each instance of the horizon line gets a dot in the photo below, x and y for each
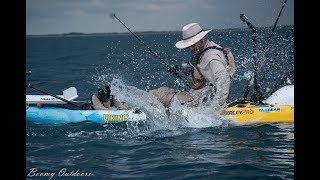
(74, 33)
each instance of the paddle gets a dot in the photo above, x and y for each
(62, 99)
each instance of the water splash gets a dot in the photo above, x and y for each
(159, 118)
(202, 116)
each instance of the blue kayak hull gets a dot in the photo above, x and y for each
(58, 115)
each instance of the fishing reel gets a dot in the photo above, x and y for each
(179, 82)
(174, 69)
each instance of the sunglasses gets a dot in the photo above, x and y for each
(193, 45)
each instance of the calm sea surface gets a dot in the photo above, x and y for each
(211, 149)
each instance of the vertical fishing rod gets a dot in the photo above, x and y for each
(276, 55)
(170, 69)
(257, 95)
(255, 56)
(264, 49)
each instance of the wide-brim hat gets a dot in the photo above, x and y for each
(191, 34)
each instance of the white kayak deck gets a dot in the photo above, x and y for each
(69, 94)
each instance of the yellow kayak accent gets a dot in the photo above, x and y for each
(247, 113)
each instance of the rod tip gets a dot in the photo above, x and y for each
(113, 15)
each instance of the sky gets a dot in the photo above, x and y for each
(93, 16)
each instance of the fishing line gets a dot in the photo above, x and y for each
(170, 69)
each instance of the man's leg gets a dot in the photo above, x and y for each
(165, 95)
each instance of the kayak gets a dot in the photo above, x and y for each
(278, 108)
(247, 113)
(240, 113)
(58, 115)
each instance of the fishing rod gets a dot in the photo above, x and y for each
(264, 49)
(276, 55)
(172, 70)
(253, 80)
(28, 85)
(257, 95)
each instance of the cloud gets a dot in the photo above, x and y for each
(145, 15)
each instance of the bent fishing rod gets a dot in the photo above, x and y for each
(170, 69)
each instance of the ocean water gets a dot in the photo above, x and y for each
(209, 149)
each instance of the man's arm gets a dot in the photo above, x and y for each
(220, 78)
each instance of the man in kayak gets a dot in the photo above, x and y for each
(208, 72)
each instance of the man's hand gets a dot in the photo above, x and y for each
(226, 50)
(184, 66)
